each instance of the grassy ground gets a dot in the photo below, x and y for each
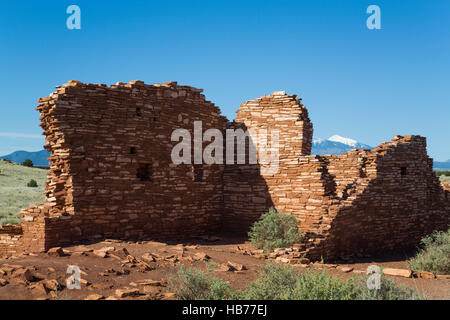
(444, 179)
(14, 193)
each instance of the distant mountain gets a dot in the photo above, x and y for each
(442, 165)
(39, 158)
(336, 145)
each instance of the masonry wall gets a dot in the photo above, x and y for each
(111, 172)
(249, 190)
(361, 201)
(112, 176)
(394, 203)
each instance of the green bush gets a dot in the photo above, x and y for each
(278, 282)
(388, 291)
(194, 284)
(32, 184)
(435, 254)
(27, 163)
(282, 282)
(275, 230)
(272, 284)
(442, 173)
(321, 286)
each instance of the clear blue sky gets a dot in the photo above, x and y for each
(364, 84)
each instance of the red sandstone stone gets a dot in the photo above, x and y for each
(398, 272)
(427, 275)
(111, 175)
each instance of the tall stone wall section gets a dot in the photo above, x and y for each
(248, 190)
(111, 172)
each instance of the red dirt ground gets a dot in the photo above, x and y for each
(103, 280)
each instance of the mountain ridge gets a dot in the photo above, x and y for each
(39, 158)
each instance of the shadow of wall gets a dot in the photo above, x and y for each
(401, 202)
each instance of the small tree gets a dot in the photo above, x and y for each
(28, 163)
(275, 230)
(32, 183)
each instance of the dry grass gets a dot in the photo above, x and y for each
(14, 193)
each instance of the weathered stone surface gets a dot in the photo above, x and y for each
(236, 266)
(398, 272)
(150, 282)
(201, 256)
(39, 288)
(51, 285)
(345, 269)
(94, 297)
(123, 293)
(427, 275)
(56, 252)
(25, 274)
(112, 176)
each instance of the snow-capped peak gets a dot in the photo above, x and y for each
(347, 141)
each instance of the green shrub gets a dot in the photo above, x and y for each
(278, 282)
(27, 163)
(195, 284)
(447, 173)
(321, 286)
(435, 254)
(282, 282)
(4, 221)
(275, 230)
(388, 291)
(32, 184)
(272, 284)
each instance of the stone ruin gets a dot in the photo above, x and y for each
(111, 176)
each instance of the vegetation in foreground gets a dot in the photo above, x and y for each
(279, 282)
(14, 193)
(275, 230)
(435, 255)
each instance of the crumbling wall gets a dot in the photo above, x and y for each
(111, 175)
(396, 201)
(360, 201)
(10, 237)
(111, 172)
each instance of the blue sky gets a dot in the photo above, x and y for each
(365, 84)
